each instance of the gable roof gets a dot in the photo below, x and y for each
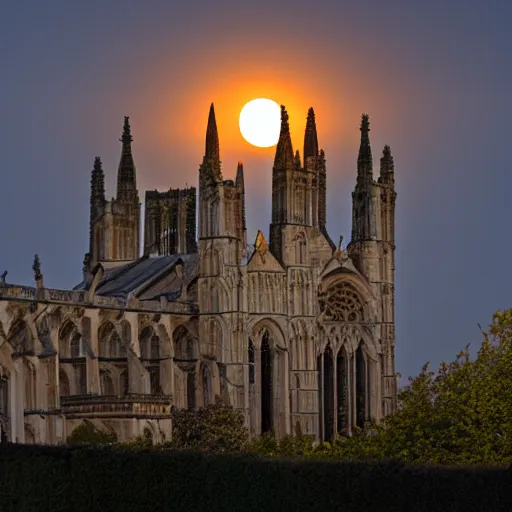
(137, 275)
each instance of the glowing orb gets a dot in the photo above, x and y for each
(260, 122)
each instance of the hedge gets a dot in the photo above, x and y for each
(39, 478)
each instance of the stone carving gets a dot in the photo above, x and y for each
(36, 267)
(341, 303)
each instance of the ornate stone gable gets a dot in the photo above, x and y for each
(262, 260)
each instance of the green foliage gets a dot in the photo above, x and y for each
(87, 433)
(462, 414)
(214, 428)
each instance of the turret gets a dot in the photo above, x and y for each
(365, 223)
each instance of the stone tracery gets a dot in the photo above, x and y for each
(341, 303)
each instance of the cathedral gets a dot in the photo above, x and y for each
(296, 332)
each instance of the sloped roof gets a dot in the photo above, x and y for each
(121, 281)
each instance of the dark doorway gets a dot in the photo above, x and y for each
(266, 385)
(328, 394)
(360, 387)
(342, 405)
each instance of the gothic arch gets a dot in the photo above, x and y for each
(151, 355)
(66, 331)
(271, 377)
(105, 331)
(273, 327)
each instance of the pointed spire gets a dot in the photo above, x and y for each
(284, 151)
(364, 159)
(97, 200)
(240, 175)
(310, 136)
(387, 167)
(126, 173)
(212, 151)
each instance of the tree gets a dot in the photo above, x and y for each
(462, 414)
(214, 428)
(87, 433)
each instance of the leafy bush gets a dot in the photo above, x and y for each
(214, 428)
(87, 433)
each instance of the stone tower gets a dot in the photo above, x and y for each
(115, 224)
(170, 222)
(222, 246)
(372, 247)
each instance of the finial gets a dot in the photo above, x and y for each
(340, 246)
(285, 127)
(365, 123)
(36, 267)
(127, 133)
(97, 164)
(3, 276)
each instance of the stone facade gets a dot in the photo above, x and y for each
(297, 333)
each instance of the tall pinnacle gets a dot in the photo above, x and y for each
(97, 182)
(126, 173)
(387, 167)
(284, 151)
(364, 159)
(240, 175)
(212, 152)
(310, 137)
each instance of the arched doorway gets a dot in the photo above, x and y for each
(150, 357)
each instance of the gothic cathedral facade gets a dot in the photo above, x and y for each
(297, 333)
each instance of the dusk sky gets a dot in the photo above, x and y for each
(435, 78)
